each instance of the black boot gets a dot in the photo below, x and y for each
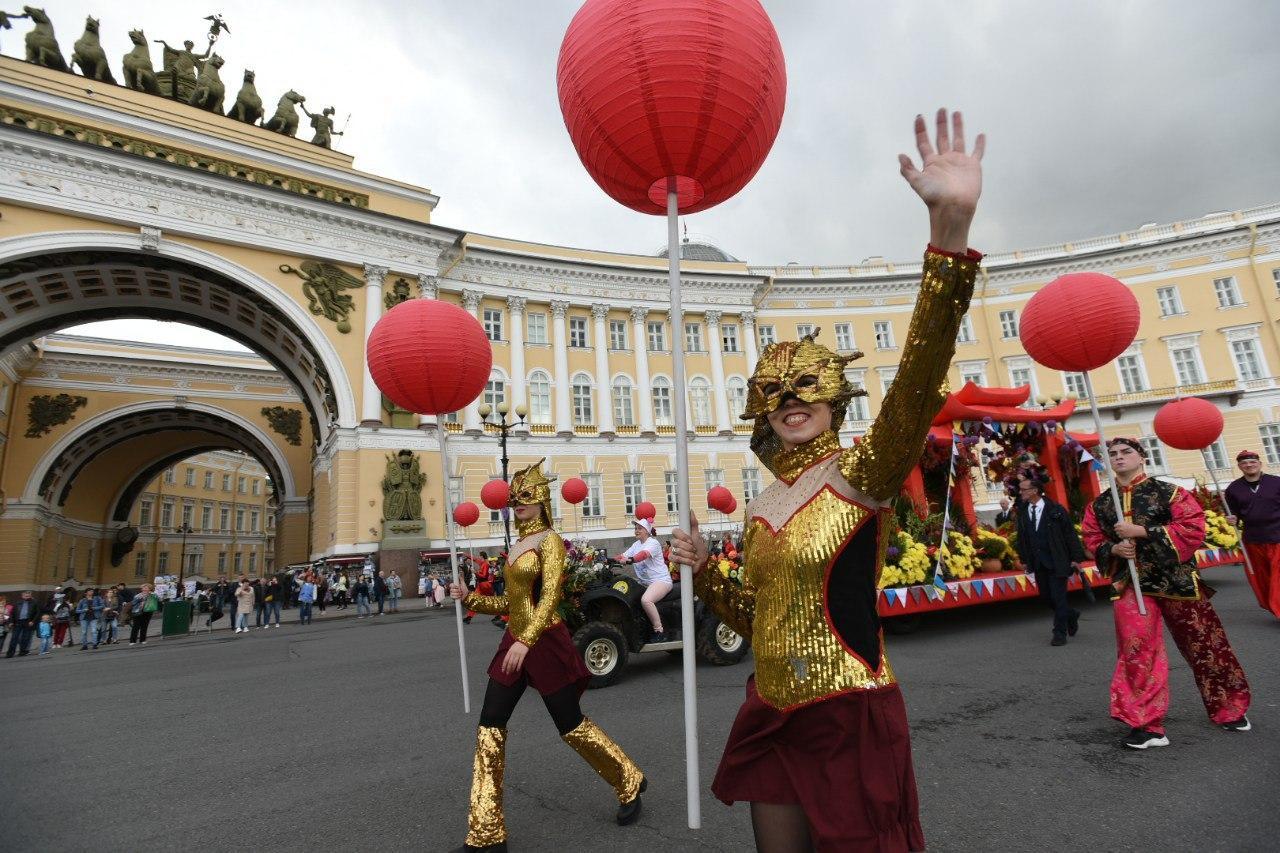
(629, 813)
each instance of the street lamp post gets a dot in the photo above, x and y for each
(503, 427)
(184, 529)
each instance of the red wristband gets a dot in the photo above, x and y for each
(968, 254)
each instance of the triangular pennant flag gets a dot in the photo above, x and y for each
(916, 594)
(975, 588)
(988, 583)
(1085, 456)
(953, 588)
(891, 595)
(1022, 581)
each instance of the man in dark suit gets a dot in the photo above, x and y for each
(1005, 514)
(1049, 547)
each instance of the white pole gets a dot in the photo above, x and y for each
(685, 512)
(453, 561)
(946, 506)
(1115, 492)
(1239, 536)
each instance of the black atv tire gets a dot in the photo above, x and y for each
(603, 650)
(719, 644)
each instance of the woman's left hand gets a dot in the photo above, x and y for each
(515, 658)
(949, 179)
(1129, 530)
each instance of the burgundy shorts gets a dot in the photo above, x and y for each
(552, 664)
(845, 760)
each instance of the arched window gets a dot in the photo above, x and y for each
(583, 415)
(737, 390)
(700, 401)
(539, 398)
(495, 390)
(622, 409)
(662, 415)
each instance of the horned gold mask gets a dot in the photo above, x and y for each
(531, 486)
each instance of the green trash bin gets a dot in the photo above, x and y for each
(176, 618)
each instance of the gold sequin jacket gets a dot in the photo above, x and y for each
(814, 545)
(535, 581)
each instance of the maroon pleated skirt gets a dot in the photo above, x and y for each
(845, 760)
(552, 664)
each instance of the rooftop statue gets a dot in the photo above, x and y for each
(286, 118)
(42, 45)
(178, 79)
(90, 56)
(139, 73)
(209, 90)
(323, 126)
(7, 19)
(248, 106)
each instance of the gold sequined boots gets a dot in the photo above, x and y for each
(613, 765)
(486, 828)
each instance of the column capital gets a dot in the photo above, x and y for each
(599, 311)
(374, 274)
(748, 318)
(639, 313)
(558, 308)
(713, 317)
(428, 286)
(471, 299)
(515, 304)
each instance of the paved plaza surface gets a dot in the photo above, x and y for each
(349, 735)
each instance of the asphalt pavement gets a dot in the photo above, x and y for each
(349, 735)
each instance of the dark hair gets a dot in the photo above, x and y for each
(1128, 442)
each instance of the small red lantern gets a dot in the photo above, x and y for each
(646, 510)
(429, 357)
(495, 493)
(1189, 424)
(719, 498)
(687, 89)
(466, 514)
(574, 490)
(1079, 322)
(732, 507)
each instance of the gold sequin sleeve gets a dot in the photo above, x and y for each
(554, 560)
(735, 605)
(878, 464)
(493, 605)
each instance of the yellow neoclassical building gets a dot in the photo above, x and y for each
(116, 203)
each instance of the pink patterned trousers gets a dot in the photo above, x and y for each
(1140, 685)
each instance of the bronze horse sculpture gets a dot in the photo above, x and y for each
(139, 73)
(286, 118)
(248, 105)
(90, 56)
(209, 90)
(42, 44)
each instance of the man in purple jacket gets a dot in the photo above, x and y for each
(1254, 500)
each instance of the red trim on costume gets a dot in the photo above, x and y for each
(968, 254)
(825, 488)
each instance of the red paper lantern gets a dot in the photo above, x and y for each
(466, 514)
(574, 490)
(495, 493)
(646, 510)
(719, 497)
(686, 89)
(732, 507)
(1079, 322)
(429, 357)
(1188, 424)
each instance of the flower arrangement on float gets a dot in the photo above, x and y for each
(906, 561)
(959, 556)
(1218, 532)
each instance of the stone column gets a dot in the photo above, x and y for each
(428, 288)
(719, 394)
(749, 339)
(471, 420)
(560, 352)
(371, 398)
(515, 318)
(640, 338)
(604, 391)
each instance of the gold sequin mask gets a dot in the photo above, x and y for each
(531, 486)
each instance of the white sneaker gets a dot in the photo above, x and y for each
(238, 630)
(131, 643)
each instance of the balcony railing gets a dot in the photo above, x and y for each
(1166, 393)
(593, 522)
(666, 429)
(453, 426)
(743, 428)
(542, 429)
(705, 429)
(585, 429)
(627, 429)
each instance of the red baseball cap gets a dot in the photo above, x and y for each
(1247, 454)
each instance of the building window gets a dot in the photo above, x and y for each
(1275, 277)
(857, 410)
(222, 561)
(887, 375)
(226, 482)
(884, 334)
(208, 479)
(632, 491)
(257, 487)
(1008, 324)
(622, 414)
(976, 375)
(537, 325)
(162, 563)
(188, 513)
(140, 564)
(1216, 453)
(577, 332)
(241, 483)
(239, 519)
(144, 514)
(1270, 435)
(1073, 384)
(166, 515)
(767, 335)
(193, 562)
(965, 334)
(670, 483)
(1131, 378)
(1248, 364)
(224, 519)
(657, 333)
(700, 402)
(736, 390)
(238, 561)
(692, 337)
(255, 521)
(1022, 374)
(190, 478)
(582, 411)
(492, 323)
(750, 483)
(593, 506)
(844, 337)
(617, 334)
(1227, 292)
(662, 401)
(1186, 365)
(206, 517)
(253, 562)
(539, 398)
(495, 391)
(712, 477)
(803, 329)
(1155, 453)
(1170, 301)
(729, 337)
(169, 478)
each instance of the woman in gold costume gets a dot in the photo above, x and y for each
(820, 747)
(536, 651)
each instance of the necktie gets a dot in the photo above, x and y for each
(1035, 517)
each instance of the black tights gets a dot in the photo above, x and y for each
(780, 828)
(500, 701)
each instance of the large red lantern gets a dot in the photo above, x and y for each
(429, 357)
(1079, 322)
(646, 510)
(1188, 424)
(731, 507)
(574, 490)
(466, 514)
(687, 89)
(494, 494)
(719, 498)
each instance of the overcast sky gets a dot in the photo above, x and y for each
(1100, 116)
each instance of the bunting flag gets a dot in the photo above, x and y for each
(989, 584)
(1021, 580)
(890, 594)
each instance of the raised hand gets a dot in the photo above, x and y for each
(949, 179)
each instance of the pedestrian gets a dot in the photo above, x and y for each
(110, 627)
(395, 588)
(23, 616)
(90, 612)
(380, 590)
(483, 584)
(61, 621)
(244, 605)
(272, 592)
(1254, 500)
(423, 583)
(1005, 515)
(322, 590)
(439, 592)
(259, 603)
(1049, 548)
(45, 632)
(340, 586)
(306, 598)
(360, 592)
(5, 618)
(144, 606)
(1160, 526)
